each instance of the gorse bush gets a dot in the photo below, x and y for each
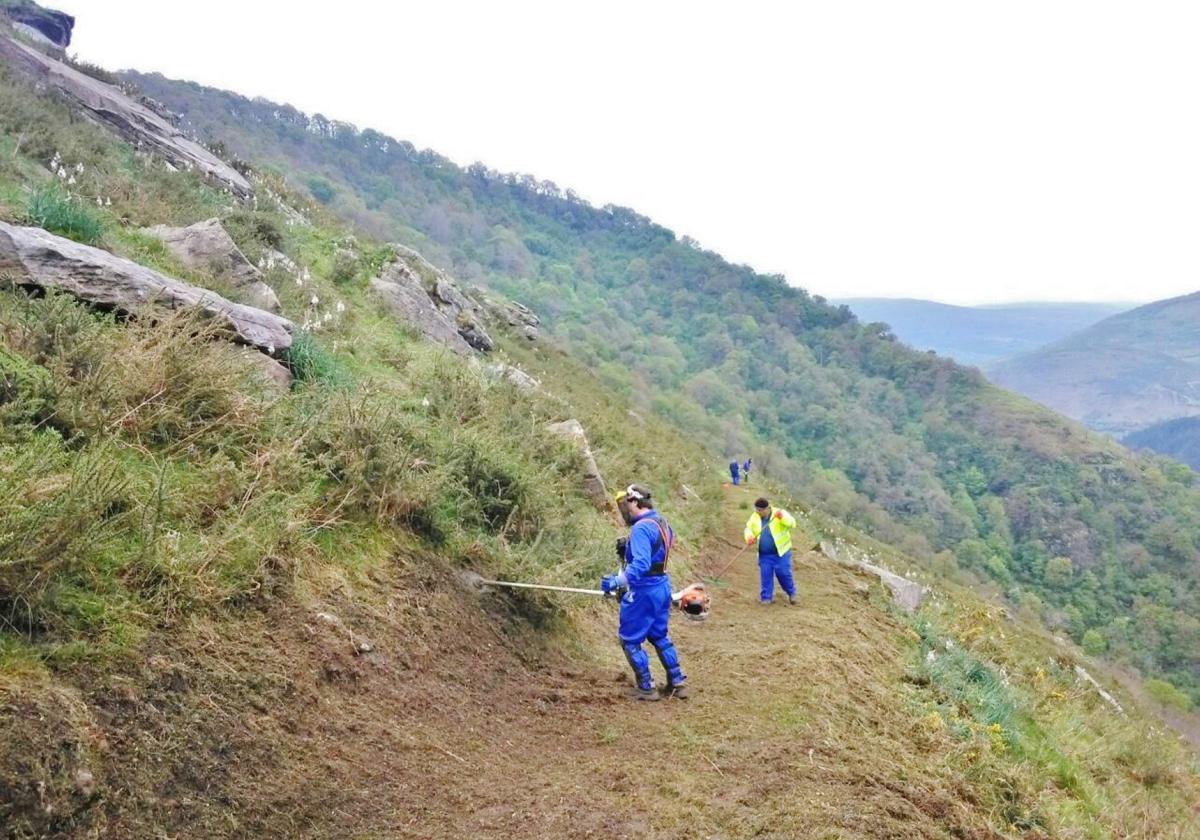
(57, 513)
(62, 213)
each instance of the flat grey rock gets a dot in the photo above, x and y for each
(112, 108)
(35, 257)
(207, 246)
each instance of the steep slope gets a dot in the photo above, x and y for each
(232, 608)
(1127, 372)
(1178, 439)
(979, 335)
(919, 451)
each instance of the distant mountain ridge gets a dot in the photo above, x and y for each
(980, 335)
(1127, 372)
(1178, 439)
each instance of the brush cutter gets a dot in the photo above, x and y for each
(728, 565)
(692, 600)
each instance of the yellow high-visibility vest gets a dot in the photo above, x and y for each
(781, 529)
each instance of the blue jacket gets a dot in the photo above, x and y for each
(644, 549)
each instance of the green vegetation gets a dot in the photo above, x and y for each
(149, 473)
(920, 452)
(65, 214)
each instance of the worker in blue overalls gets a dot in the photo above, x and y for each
(645, 591)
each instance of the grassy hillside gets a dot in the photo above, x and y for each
(919, 451)
(228, 610)
(149, 473)
(979, 335)
(1125, 373)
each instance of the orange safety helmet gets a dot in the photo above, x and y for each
(694, 602)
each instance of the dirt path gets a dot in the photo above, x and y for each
(799, 726)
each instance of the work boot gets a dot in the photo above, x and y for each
(678, 691)
(649, 695)
(765, 603)
(793, 600)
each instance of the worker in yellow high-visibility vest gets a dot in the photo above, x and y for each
(772, 529)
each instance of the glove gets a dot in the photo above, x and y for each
(611, 586)
(621, 542)
(749, 540)
(779, 514)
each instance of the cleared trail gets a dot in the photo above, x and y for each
(800, 725)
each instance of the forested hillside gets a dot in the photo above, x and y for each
(920, 451)
(1125, 373)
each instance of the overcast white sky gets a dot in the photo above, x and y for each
(959, 151)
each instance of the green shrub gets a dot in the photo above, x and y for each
(64, 214)
(311, 362)
(321, 189)
(1094, 643)
(1167, 694)
(254, 230)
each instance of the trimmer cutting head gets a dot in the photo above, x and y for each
(472, 581)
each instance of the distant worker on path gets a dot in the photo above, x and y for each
(772, 528)
(733, 472)
(645, 591)
(746, 470)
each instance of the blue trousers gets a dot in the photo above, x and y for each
(645, 614)
(734, 476)
(772, 566)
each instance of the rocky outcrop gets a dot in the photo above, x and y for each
(512, 314)
(46, 26)
(273, 374)
(34, 257)
(425, 297)
(206, 246)
(500, 372)
(593, 482)
(131, 120)
(907, 593)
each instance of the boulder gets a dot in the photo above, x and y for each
(273, 373)
(34, 257)
(412, 305)
(45, 26)
(515, 315)
(112, 108)
(206, 246)
(513, 375)
(428, 299)
(593, 482)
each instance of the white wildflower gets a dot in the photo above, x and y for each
(79, 168)
(327, 317)
(108, 202)
(270, 349)
(299, 280)
(425, 403)
(99, 201)
(341, 307)
(71, 181)
(307, 276)
(62, 173)
(315, 300)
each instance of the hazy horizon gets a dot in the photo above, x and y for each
(932, 150)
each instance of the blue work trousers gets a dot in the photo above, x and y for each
(645, 614)
(772, 566)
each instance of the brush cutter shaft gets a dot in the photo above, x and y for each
(571, 589)
(516, 585)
